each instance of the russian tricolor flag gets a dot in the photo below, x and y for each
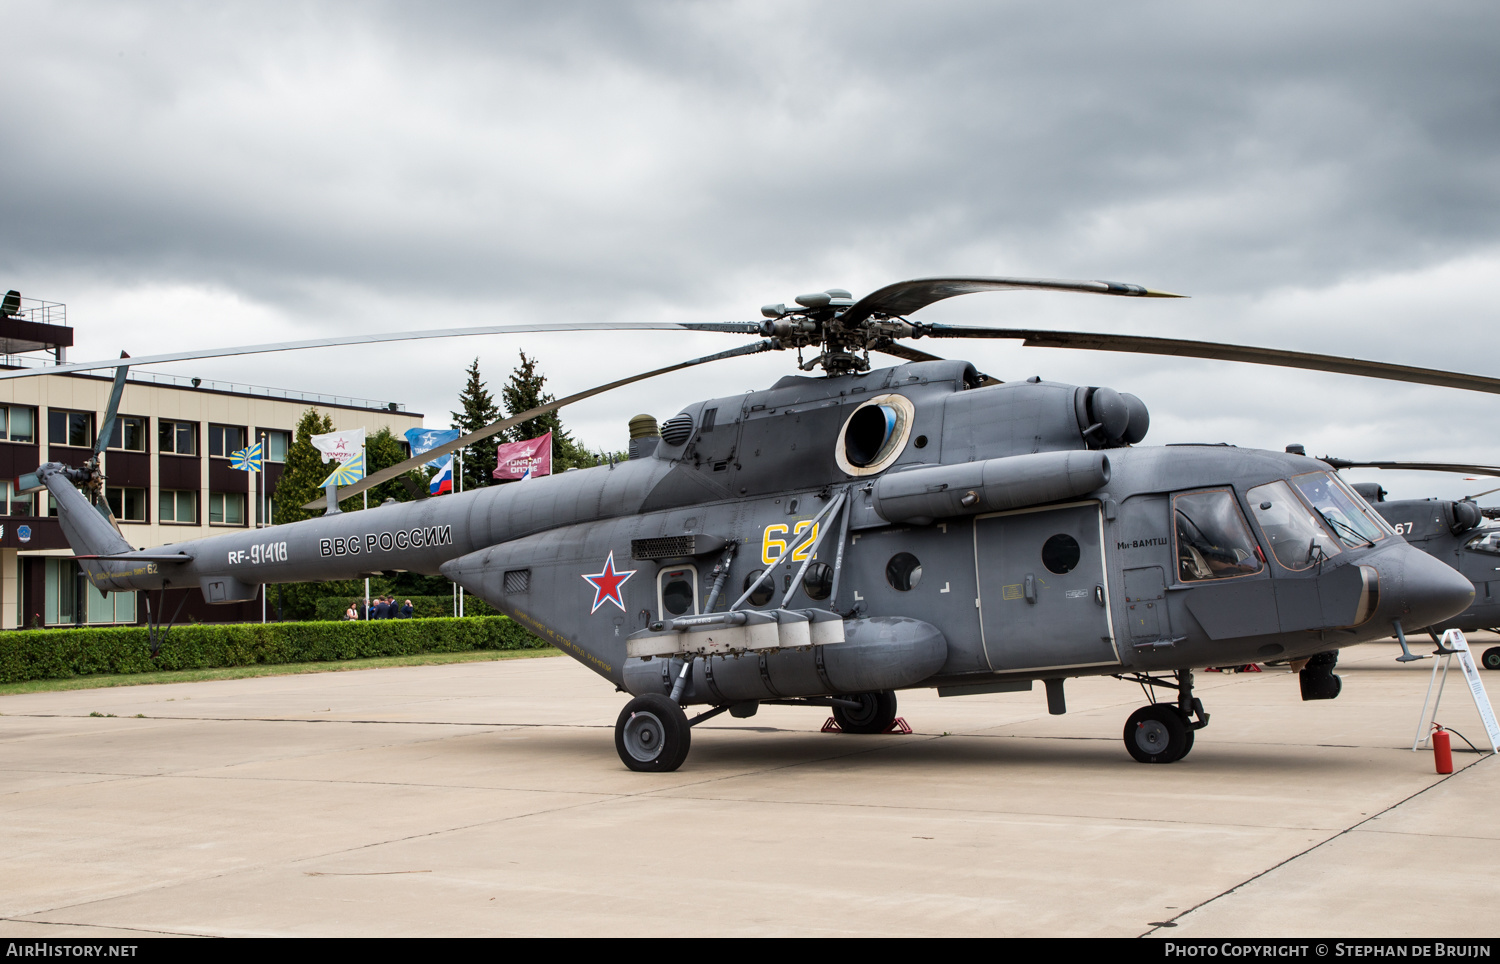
(443, 481)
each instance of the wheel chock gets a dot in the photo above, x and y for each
(832, 726)
(898, 725)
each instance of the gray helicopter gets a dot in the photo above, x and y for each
(835, 538)
(1450, 530)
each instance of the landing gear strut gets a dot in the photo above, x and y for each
(1163, 732)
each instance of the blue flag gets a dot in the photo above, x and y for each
(246, 459)
(425, 439)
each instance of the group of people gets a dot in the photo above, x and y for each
(381, 607)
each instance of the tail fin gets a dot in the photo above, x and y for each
(88, 532)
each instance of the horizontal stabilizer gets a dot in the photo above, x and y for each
(139, 557)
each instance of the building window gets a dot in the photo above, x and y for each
(277, 444)
(70, 428)
(178, 507)
(13, 504)
(61, 604)
(178, 438)
(128, 505)
(18, 423)
(226, 509)
(128, 433)
(224, 439)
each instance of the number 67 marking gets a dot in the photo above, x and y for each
(772, 540)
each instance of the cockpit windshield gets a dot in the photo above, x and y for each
(1486, 540)
(1296, 538)
(1339, 509)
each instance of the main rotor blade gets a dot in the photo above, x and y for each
(735, 327)
(1146, 345)
(391, 472)
(905, 297)
(1454, 467)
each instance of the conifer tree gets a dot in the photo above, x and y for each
(479, 410)
(526, 390)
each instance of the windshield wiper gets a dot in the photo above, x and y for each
(1346, 527)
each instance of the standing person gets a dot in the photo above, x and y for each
(352, 613)
(378, 609)
(406, 610)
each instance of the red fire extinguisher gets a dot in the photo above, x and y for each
(1442, 749)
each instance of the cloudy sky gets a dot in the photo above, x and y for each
(1321, 177)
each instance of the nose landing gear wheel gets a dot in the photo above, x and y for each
(1491, 658)
(876, 713)
(1158, 734)
(652, 734)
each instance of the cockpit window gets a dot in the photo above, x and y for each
(1213, 541)
(1340, 510)
(1487, 540)
(1296, 538)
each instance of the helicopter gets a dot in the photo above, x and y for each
(838, 537)
(1452, 531)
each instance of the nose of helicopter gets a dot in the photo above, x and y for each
(1418, 589)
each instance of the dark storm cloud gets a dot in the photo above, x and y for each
(611, 150)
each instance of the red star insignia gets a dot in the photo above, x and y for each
(607, 584)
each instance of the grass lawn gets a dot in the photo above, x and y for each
(281, 669)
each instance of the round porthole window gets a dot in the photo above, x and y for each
(1060, 553)
(874, 435)
(903, 572)
(818, 582)
(763, 592)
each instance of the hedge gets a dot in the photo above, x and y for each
(430, 607)
(65, 653)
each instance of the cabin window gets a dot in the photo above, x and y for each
(677, 591)
(903, 572)
(763, 592)
(1213, 541)
(1295, 536)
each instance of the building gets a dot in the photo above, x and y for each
(166, 465)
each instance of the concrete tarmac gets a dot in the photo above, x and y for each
(487, 799)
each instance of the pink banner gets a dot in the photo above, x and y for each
(515, 459)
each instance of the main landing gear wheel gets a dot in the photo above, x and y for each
(1491, 658)
(652, 734)
(1158, 734)
(876, 712)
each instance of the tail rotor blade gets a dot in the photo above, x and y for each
(107, 427)
(493, 428)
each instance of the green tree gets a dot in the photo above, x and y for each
(526, 390)
(479, 410)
